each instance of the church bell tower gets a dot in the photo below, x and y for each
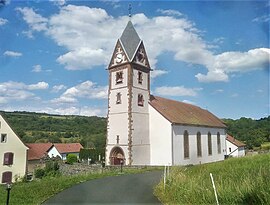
(128, 96)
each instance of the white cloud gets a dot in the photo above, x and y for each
(264, 19)
(90, 34)
(189, 102)
(37, 69)
(157, 73)
(3, 21)
(87, 89)
(59, 2)
(12, 54)
(230, 62)
(58, 88)
(176, 91)
(16, 91)
(38, 86)
(170, 12)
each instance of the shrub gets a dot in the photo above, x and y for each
(71, 158)
(39, 173)
(52, 168)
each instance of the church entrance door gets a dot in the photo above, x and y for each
(117, 156)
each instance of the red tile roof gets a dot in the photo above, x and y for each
(37, 150)
(68, 147)
(185, 114)
(235, 141)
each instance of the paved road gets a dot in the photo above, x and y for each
(126, 189)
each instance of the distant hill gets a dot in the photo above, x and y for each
(41, 127)
(91, 131)
(252, 132)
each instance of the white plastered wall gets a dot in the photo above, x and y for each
(160, 138)
(178, 146)
(53, 152)
(14, 145)
(235, 151)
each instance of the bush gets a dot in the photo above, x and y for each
(39, 173)
(52, 168)
(71, 158)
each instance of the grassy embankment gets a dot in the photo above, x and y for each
(238, 181)
(37, 191)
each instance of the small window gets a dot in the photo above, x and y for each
(230, 149)
(140, 77)
(3, 138)
(118, 98)
(7, 177)
(117, 139)
(0, 125)
(140, 100)
(218, 143)
(186, 145)
(209, 144)
(119, 77)
(8, 158)
(199, 144)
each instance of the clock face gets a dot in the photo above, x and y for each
(119, 58)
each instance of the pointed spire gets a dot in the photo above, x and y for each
(130, 40)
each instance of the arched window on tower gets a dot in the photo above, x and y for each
(140, 77)
(140, 100)
(119, 77)
(186, 145)
(118, 98)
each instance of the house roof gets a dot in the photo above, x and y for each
(38, 150)
(4, 118)
(68, 147)
(130, 40)
(185, 114)
(235, 141)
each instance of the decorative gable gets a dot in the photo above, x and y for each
(119, 56)
(141, 57)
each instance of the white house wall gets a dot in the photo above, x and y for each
(54, 153)
(14, 145)
(160, 138)
(235, 151)
(178, 146)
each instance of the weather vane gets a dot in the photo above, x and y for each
(129, 10)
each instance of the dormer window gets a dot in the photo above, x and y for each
(140, 77)
(140, 100)
(119, 77)
(118, 98)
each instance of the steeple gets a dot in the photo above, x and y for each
(130, 40)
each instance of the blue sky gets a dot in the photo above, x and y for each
(214, 54)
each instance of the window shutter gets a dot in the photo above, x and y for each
(8, 158)
(6, 177)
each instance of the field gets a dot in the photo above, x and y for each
(238, 181)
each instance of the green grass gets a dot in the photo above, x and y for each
(38, 191)
(238, 181)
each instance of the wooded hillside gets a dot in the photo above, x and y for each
(41, 127)
(252, 132)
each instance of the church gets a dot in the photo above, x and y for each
(143, 129)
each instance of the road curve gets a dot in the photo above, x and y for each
(125, 189)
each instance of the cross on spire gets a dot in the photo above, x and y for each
(129, 10)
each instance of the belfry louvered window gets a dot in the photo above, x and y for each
(119, 77)
(140, 100)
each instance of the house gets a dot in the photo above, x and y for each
(63, 149)
(144, 129)
(234, 147)
(37, 153)
(13, 154)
